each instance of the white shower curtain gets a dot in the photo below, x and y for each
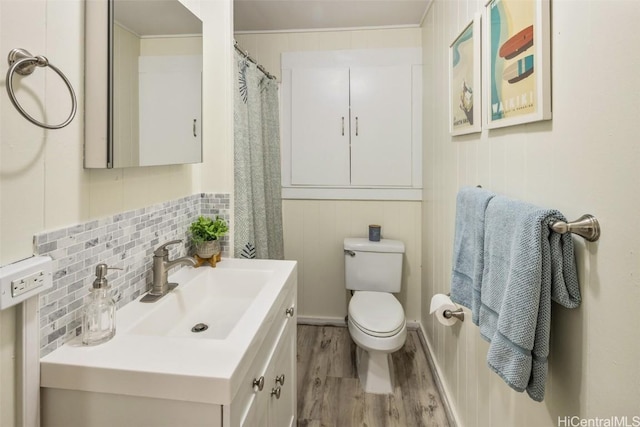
(258, 201)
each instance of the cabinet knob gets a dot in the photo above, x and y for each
(280, 379)
(289, 311)
(258, 384)
(276, 392)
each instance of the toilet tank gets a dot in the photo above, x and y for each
(373, 266)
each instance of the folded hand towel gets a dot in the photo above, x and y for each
(471, 204)
(526, 265)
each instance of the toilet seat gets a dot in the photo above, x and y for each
(378, 314)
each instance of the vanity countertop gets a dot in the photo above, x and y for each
(153, 355)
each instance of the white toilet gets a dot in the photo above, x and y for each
(373, 270)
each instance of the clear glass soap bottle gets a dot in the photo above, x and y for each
(99, 315)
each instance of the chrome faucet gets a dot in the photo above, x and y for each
(161, 267)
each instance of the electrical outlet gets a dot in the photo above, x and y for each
(18, 287)
(37, 280)
(27, 283)
(24, 279)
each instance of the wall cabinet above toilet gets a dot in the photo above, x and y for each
(352, 124)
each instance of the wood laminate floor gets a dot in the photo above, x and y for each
(329, 392)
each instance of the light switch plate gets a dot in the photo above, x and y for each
(24, 279)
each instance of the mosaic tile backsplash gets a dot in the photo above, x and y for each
(125, 240)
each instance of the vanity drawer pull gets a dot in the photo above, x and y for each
(289, 311)
(280, 379)
(258, 383)
(276, 392)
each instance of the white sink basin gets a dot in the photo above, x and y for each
(217, 298)
(155, 354)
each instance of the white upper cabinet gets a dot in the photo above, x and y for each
(381, 126)
(170, 133)
(351, 124)
(320, 126)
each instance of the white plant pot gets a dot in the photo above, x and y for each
(208, 249)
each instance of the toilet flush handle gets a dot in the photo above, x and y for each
(350, 253)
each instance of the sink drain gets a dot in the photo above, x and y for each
(200, 327)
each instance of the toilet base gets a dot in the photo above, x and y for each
(375, 370)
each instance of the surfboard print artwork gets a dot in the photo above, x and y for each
(512, 60)
(519, 70)
(517, 44)
(518, 62)
(464, 81)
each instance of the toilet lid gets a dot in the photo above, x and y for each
(376, 313)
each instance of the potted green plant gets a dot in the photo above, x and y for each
(206, 234)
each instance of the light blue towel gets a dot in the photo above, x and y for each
(468, 250)
(526, 266)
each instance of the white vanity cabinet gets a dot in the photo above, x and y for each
(267, 394)
(155, 372)
(275, 404)
(352, 124)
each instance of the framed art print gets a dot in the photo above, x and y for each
(517, 62)
(464, 81)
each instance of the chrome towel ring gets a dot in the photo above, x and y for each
(23, 63)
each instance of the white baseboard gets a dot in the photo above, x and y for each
(322, 321)
(412, 325)
(452, 413)
(339, 321)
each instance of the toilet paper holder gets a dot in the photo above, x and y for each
(458, 314)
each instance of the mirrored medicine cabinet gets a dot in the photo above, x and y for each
(143, 84)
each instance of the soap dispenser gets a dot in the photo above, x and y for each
(99, 316)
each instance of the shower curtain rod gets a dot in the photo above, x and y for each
(245, 53)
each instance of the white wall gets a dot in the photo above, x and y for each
(314, 230)
(585, 160)
(266, 48)
(42, 183)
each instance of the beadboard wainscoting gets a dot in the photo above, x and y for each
(125, 240)
(585, 160)
(314, 231)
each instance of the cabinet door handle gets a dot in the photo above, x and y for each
(342, 125)
(258, 383)
(280, 379)
(276, 392)
(289, 311)
(194, 127)
(356, 126)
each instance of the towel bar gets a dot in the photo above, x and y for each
(586, 226)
